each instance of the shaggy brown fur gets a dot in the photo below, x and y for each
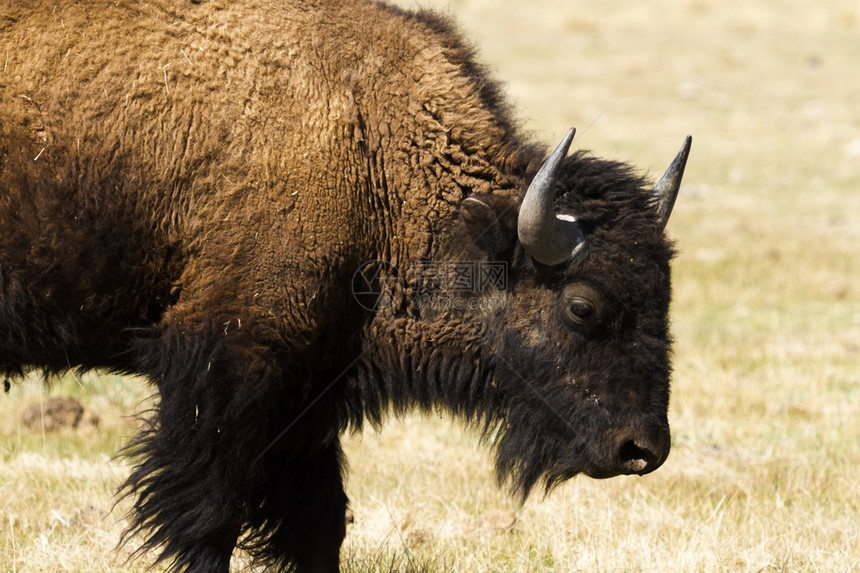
(186, 192)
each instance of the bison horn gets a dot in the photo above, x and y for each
(549, 238)
(666, 190)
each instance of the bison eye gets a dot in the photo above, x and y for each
(581, 310)
(583, 307)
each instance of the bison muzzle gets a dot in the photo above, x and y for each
(206, 194)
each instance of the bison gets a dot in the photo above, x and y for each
(295, 218)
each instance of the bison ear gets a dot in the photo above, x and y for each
(485, 226)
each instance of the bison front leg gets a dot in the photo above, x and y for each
(233, 455)
(197, 474)
(303, 514)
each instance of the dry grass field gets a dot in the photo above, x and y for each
(765, 409)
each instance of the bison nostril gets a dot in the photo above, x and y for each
(635, 459)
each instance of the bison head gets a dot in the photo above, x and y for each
(578, 351)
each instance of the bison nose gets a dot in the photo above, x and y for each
(641, 454)
(636, 459)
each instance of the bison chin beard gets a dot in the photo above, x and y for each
(537, 443)
(522, 462)
(544, 433)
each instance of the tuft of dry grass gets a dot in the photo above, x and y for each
(57, 504)
(766, 393)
